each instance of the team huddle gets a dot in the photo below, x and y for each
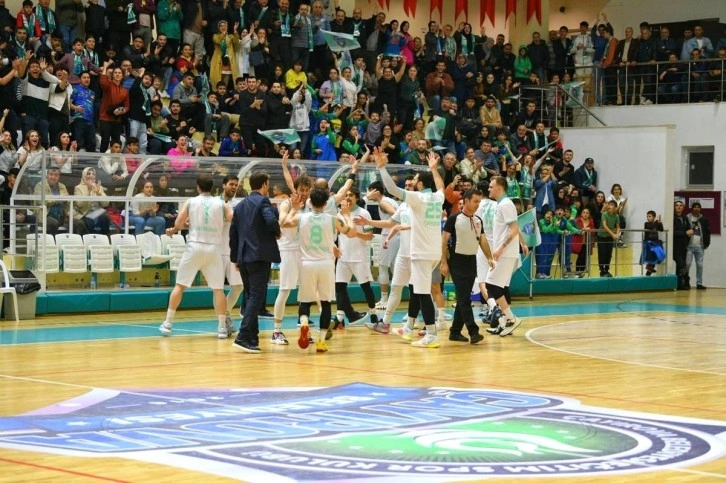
(323, 237)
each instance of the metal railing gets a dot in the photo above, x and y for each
(631, 256)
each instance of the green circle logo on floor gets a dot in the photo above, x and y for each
(361, 431)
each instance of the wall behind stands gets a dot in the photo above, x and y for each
(642, 160)
(696, 125)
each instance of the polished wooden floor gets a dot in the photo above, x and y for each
(669, 362)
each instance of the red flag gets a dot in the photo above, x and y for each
(388, 5)
(406, 9)
(487, 10)
(510, 7)
(381, 3)
(412, 8)
(437, 4)
(534, 7)
(461, 6)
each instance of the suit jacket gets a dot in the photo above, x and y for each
(632, 50)
(254, 231)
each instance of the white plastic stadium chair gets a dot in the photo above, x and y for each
(6, 288)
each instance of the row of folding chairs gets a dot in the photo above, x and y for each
(98, 253)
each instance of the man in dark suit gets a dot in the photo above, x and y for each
(253, 247)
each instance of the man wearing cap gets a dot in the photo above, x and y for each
(586, 179)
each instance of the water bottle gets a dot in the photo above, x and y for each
(445, 294)
(157, 280)
(93, 281)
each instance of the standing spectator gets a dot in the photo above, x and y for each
(697, 42)
(7, 21)
(252, 116)
(302, 39)
(253, 246)
(698, 76)
(562, 47)
(67, 12)
(95, 25)
(145, 11)
(645, 54)
(59, 104)
(139, 116)
(34, 105)
(205, 215)
(599, 43)
(321, 58)
(582, 52)
(609, 64)
(698, 242)
(666, 45)
(119, 32)
(194, 23)
(627, 73)
(114, 105)
(47, 20)
(281, 33)
(682, 234)
(539, 55)
(607, 235)
(222, 67)
(585, 179)
(169, 15)
(388, 86)
(522, 65)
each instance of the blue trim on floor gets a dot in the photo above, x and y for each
(146, 329)
(120, 300)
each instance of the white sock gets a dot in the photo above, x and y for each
(384, 297)
(508, 312)
(278, 326)
(340, 315)
(431, 329)
(221, 321)
(492, 304)
(321, 334)
(411, 322)
(304, 320)
(170, 316)
(441, 315)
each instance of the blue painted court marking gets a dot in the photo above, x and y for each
(140, 329)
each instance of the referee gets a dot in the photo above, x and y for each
(462, 236)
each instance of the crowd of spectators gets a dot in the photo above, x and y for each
(190, 78)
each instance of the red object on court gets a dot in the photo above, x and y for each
(487, 10)
(534, 7)
(459, 7)
(510, 7)
(437, 4)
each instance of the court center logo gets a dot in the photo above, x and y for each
(360, 431)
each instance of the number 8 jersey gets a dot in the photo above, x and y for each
(317, 236)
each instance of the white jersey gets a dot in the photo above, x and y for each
(227, 225)
(402, 216)
(425, 223)
(487, 210)
(505, 215)
(385, 216)
(355, 249)
(290, 240)
(316, 236)
(331, 207)
(206, 219)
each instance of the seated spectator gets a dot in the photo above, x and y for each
(31, 152)
(439, 84)
(698, 77)
(92, 213)
(351, 144)
(22, 215)
(489, 115)
(192, 108)
(8, 152)
(158, 136)
(177, 124)
(233, 145)
(58, 211)
(205, 148)
(521, 141)
(144, 211)
(180, 157)
(391, 144)
(528, 117)
(133, 152)
(215, 121)
(64, 162)
(112, 167)
(323, 143)
(167, 209)
(490, 164)
(469, 119)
